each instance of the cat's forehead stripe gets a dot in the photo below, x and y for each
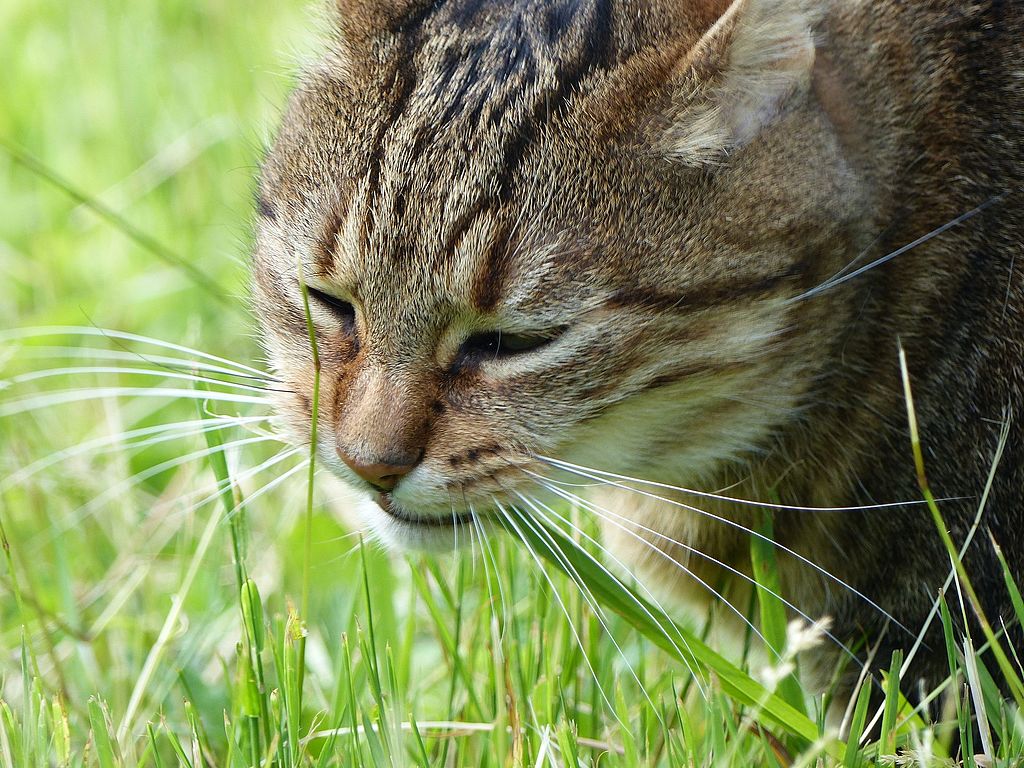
(497, 82)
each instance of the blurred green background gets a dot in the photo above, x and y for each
(160, 110)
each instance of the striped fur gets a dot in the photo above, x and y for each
(651, 186)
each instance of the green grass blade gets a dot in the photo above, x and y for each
(1013, 680)
(773, 611)
(179, 750)
(738, 685)
(892, 705)
(853, 758)
(373, 742)
(158, 761)
(1011, 584)
(422, 758)
(100, 724)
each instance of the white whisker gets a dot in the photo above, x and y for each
(244, 474)
(124, 441)
(579, 469)
(486, 551)
(77, 515)
(558, 598)
(65, 397)
(52, 352)
(715, 593)
(17, 334)
(266, 488)
(608, 515)
(100, 369)
(587, 594)
(739, 526)
(348, 552)
(679, 651)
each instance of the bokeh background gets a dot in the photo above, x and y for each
(159, 110)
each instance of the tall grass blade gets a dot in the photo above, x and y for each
(853, 759)
(974, 685)
(179, 749)
(99, 722)
(314, 419)
(154, 748)
(8, 729)
(773, 610)
(1013, 680)
(1011, 584)
(892, 705)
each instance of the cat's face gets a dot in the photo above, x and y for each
(540, 230)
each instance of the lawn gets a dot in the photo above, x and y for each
(171, 594)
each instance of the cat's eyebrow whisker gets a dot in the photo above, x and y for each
(127, 441)
(587, 594)
(17, 334)
(608, 515)
(68, 396)
(510, 519)
(852, 263)
(165, 373)
(954, 222)
(599, 476)
(739, 526)
(551, 519)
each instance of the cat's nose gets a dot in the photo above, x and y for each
(382, 475)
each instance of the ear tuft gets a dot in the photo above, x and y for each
(740, 76)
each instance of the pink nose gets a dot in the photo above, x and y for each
(383, 475)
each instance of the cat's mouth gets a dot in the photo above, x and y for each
(385, 502)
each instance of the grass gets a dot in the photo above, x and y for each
(177, 588)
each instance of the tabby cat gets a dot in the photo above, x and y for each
(558, 243)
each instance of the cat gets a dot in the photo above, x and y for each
(558, 243)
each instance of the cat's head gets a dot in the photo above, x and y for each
(532, 229)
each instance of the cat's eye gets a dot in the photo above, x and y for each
(496, 344)
(341, 309)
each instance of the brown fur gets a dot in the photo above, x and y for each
(653, 183)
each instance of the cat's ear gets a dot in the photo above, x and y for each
(363, 25)
(740, 77)
(371, 18)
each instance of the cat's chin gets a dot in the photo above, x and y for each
(404, 530)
